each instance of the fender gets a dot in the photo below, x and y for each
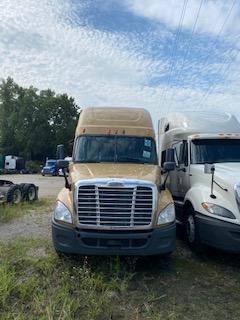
(201, 193)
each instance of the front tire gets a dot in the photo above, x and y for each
(192, 232)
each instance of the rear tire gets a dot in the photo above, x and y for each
(21, 185)
(30, 192)
(14, 194)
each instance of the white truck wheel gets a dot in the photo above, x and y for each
(191, 229)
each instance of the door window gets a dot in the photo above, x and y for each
(183, 153)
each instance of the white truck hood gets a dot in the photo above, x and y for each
(227, 174)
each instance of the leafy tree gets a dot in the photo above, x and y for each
(32, 123)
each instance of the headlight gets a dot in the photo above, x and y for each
(218, 210)
(61, 213)
(167, 215)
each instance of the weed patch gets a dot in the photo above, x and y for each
(37, 284)
(10, 212)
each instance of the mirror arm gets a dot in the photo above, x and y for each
(163, 185)
(224, 189)
(212, 182)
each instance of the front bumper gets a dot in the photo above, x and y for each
(219, 234)
(48, 172)
(96, 242)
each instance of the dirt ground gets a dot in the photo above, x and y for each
(184, 286)
(48, 186)
(35, 226)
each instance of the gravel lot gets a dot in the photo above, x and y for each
(48, 186)
(35, 226)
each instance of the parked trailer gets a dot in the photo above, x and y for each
(2, 161)
(14, 163)
(15, 193)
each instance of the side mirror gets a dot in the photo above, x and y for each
(62, 164)
(60, 152)
(209, 168)
(169, 166)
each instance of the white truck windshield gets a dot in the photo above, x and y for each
(215, 150)
(119, 149)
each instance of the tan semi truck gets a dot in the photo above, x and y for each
(114, 202)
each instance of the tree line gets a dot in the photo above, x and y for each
(33, 122)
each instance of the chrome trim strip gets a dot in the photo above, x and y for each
(133, 207)
(97, 205)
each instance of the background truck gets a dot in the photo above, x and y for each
(113, 202)
(206, 182)
(50, 168)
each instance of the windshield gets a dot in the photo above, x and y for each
(50, 163)
(215, 150)
(115, 149)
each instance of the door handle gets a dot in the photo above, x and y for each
(182, 169)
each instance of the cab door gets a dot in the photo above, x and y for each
(173, 175)
(183, 182)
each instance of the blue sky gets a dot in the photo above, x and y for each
(126, 53)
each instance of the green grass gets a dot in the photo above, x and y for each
(36, 284)
(10, 212)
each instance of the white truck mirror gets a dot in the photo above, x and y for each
(209, 168)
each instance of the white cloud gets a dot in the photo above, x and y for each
(49, 50)
(42, 45)
(211, 18)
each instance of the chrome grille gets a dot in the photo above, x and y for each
(105, 206)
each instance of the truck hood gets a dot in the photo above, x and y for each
(226, 173)
(229, 172)
(84, 171)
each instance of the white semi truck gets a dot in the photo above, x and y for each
(206, 182)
